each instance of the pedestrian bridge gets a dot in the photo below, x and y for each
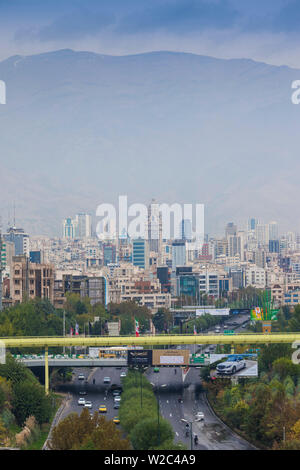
(147, 340)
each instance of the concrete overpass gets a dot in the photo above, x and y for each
(146, 340)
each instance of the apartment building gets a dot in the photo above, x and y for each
(30, 280)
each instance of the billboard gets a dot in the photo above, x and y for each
(264, 314)
(170, 357)
(94, 353)
(234, 365)
(212, 311)
(139, 357)
(240, 311)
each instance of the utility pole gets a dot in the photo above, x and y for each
(64, 330)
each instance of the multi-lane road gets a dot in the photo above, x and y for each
(169, 386)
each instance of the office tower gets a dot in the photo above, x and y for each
(262, 234)
(154, 227)
(234, 245)
(230, 229)
(69, 228)
(186, 230)
(20, 239)
(35, 257)
(83, 225)
(252, 223)
(273, 231)
(109, 253)
(259, 258)
(274, 246)
(178, 254)
(140, 253)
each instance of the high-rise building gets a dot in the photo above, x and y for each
(273, 231)
(83, 225)
(109, 253)
(154, 227)
(186, 230)
(252, 223)
(20, 239)
(178, 254)
(140, 253)
(69, 228)
(230, 229)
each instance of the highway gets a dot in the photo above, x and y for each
(168, 386)
(95, 392)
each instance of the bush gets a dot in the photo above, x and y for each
(145, 435)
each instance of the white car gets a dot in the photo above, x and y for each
(106, 380)
(199, 416)
(81, 401)
(123, 374)
(88, 404)
(81, 377)
(117, 399)
(231, 366)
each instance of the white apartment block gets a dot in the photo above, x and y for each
(255, 277)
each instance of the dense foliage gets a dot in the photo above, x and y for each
(81, 432)
(140, 418)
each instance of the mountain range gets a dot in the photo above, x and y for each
(80, 129)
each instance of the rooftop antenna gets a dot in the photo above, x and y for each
(14, 214)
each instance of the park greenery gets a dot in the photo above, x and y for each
(140, 417)
(83, 432)
(22, 402)
(265, 410)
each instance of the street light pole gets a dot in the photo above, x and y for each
(141, 385)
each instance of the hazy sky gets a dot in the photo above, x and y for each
(267, 30)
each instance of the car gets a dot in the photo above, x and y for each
(123, 374)
(102, 409)
(116, 393)
(117, 398)
(81, 377)
(117, 405)
(116, 420)
(88, 404)
(199, 416)
(232, 365)
(82, 392)
(81, 401)
(106, 380)
(156, 369)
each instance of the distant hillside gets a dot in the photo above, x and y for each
(81, 128)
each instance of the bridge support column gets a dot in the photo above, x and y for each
(46, 372)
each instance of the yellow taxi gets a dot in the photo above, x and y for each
(102, 409)
(116, 420)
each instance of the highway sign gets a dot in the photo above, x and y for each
(228, 332)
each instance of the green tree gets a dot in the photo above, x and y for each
(30, 399)
(145, 434)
